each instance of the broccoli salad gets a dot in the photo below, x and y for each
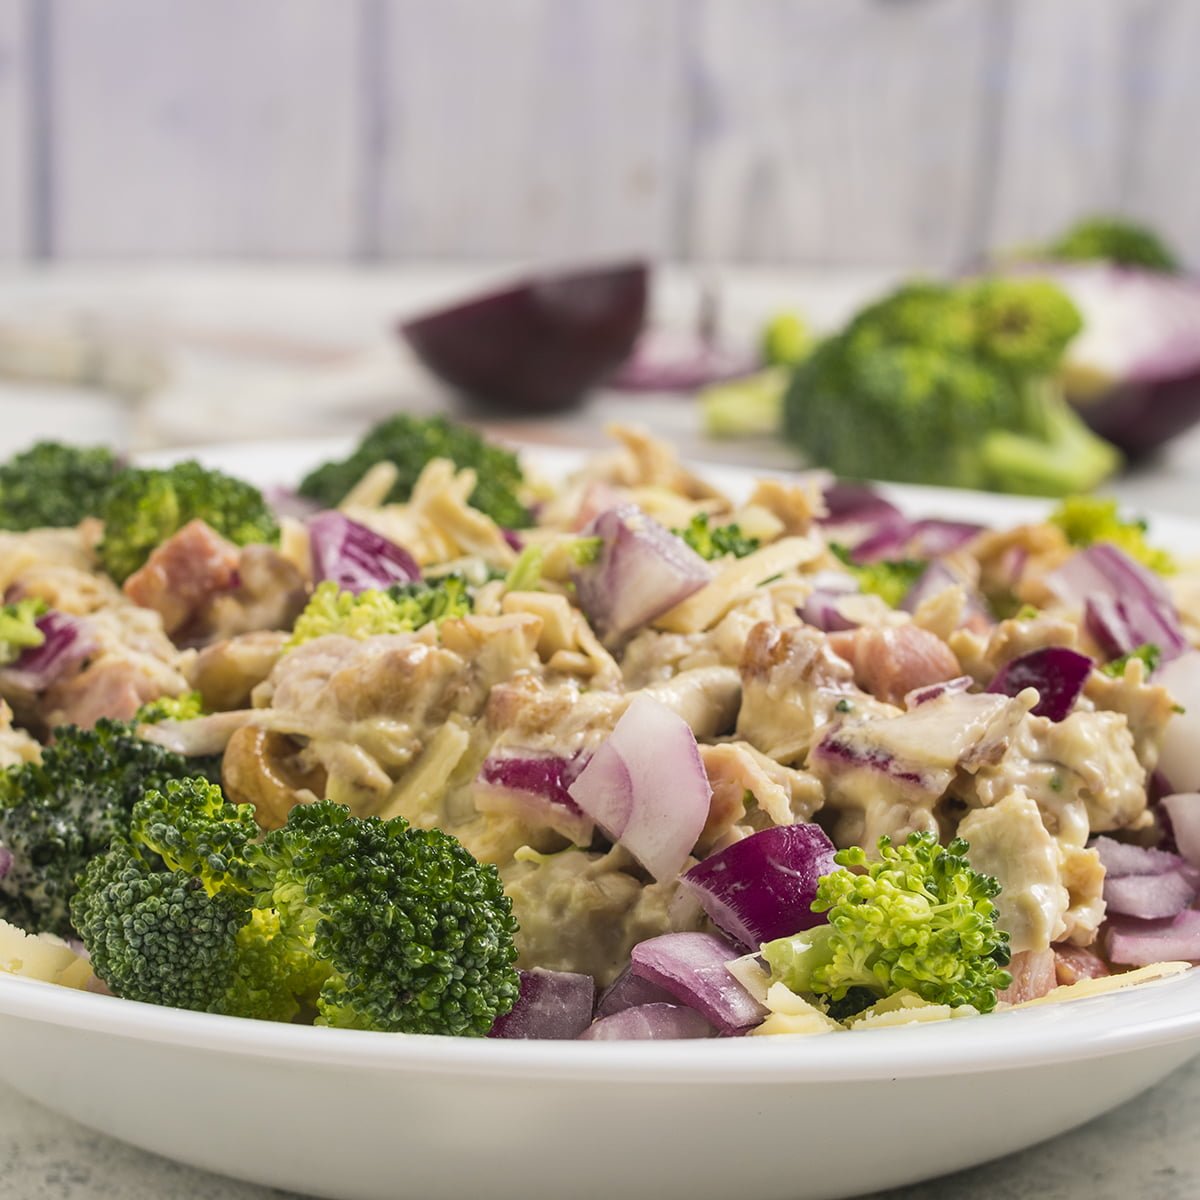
(431, 745)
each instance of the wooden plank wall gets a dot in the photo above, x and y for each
(821, 132)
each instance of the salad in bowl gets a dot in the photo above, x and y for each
(430, 745)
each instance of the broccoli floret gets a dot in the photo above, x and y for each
(409, 443)
(786, 340)
(170, 708)
(525, 575)
(889, 578)
(58, 814)
(950, 385)
(748, 407)
(54, 484)
(370, 924)
(19, 629)
(1090, 519)
(144, 507)
(919, 918)
(716, 541)
(1115, 240)
(1149, 654)
(401, 608)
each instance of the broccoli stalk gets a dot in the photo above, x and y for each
(920, 919)
(371, 924)
(951, 385)
(400, 609)
(409, 443)
(52, 484)
(748, 407)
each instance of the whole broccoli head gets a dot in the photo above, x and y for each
(54, 484)
(56, 815)
(409, 443)
(145, 507)
(716, 541)
(370, 924)
(19, 628)
(920, 919)
(1115, 240)
(949, 385)
(400, 609)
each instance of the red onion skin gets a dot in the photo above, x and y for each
(1057, 673)
(1135, 943)
(551, 1005)
(357, 558)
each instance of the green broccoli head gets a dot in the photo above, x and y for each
(417, 935)
(145, 507)
(1090, 519)
(19, 628)
(400, 609)
(1115, 240)
(58, 814)
(409, 443)
(53, 484)
(919, 918)
(716, 541)
(949, 386)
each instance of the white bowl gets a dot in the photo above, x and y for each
(367, 1116)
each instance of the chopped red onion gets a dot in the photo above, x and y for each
(1183, 811)
(68, 641)
(858, 502)
(1121, 626)
(646, 787)
(762, 887)
(1150, 896)
(643, 570)
(691, 966)
(1120, 859)
(821, 607)
(550, 1005)
(1179, 760)
(887, 542)
(935, 579)
(513, 538)
(629, 991)
(536, 785)
(935, 537)
(357, 558)
(1057, 673)
(1137, 943)
(649, 1022)
(287, 502)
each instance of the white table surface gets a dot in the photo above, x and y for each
(251, 352)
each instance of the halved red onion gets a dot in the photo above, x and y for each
(1150, 896)
(1137, 943)
(535, 786)
(357, 558)
(628, 991)
(69, 640)
(763, 886)
(646, 787)
(1126, 605)
(551, 1005)
(1183, 811)
(691, 966)
(649, 1023)
(1180, 757)
(643, 570)
(1057, 673)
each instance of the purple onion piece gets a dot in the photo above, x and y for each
(1123, 858)
(887, 542)
(691, 966)
(1121, 626)
(1057, 673)
(537, 785)
(936, 578)
(821, 612)
(1180, 758)
(935, 537)
(762, 887)
(1149, 896)
(1137, 943)
(357, 558)
(1183, 811)
(513, 538)
(630, 991)
(642, 571)
(287, 502)
(551, 1005)
(649, 1022)
(69, 640)
(847, 501)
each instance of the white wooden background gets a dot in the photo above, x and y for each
(842, 132)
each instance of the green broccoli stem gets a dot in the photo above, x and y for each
(749, 407)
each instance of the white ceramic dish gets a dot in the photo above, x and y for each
(361, 1116)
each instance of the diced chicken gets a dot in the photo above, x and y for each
(269, 595)
(1147, 707)
(1010, 842)
(183, 574)
(226, 673)
(1014, 561)
(1033, 975)
(109, 687)
(793, 504)
(706, 698)
(1083, 877)
(1073, 963)
(891, 662)
(983, 654)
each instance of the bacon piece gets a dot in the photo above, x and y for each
(890, 662)
(1033, 973)
(183, 574)
(1073, 963)
(109, 687)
